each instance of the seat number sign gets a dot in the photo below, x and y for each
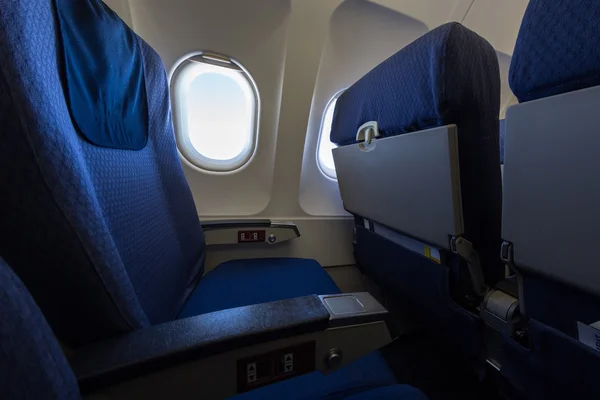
(251, 236)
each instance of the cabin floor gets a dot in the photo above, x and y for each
(441, 375)
(420, 360)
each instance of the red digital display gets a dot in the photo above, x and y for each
(251, 236)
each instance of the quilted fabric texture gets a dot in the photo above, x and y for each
(448, 76)
(241, 283)
(32, 365)
(557, 49)
(106, 240)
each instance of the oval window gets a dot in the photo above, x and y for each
(324, 154)
(215, 107)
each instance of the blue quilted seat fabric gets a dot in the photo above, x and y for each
(32, 365)
(107, 240)
(239, 283)
(448, 76)
(556, 50)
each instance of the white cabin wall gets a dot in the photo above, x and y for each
(121, 7)
(496, 21)
(432, 13)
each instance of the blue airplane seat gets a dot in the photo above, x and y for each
(33, 366)
(550, 187)
(449, 76)
(108, 211)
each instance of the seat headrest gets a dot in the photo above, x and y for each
(448, 73)
(557, 49)
(103, 76)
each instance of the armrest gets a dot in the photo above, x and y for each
(249, 231)
(235, 350)
(180, 341)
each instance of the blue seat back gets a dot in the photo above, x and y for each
(555, 51)
(555, 55)
(107, 239)
(448, 76)
(32, 365)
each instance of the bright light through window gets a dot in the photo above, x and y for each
(215, 106)
(324, 154)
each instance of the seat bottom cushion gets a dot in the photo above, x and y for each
(368, 373)
(245, 282)
(241, 283)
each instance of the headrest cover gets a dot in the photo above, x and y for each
(557, 49)
(448, 73)
(104, 75)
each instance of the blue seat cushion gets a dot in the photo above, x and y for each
(241, 283)
(368, 373)
(557, 49)
(394, 392)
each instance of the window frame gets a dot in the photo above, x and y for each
(186, 149)
(325, 170)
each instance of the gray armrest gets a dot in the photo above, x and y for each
(236, 350)
(177, 342)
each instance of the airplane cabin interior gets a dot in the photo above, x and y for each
(299, 199)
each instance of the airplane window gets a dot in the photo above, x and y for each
(215, 103)
(324, 155)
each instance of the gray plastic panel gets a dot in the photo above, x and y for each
(353, 308)
(410, 183)
(551, 201)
